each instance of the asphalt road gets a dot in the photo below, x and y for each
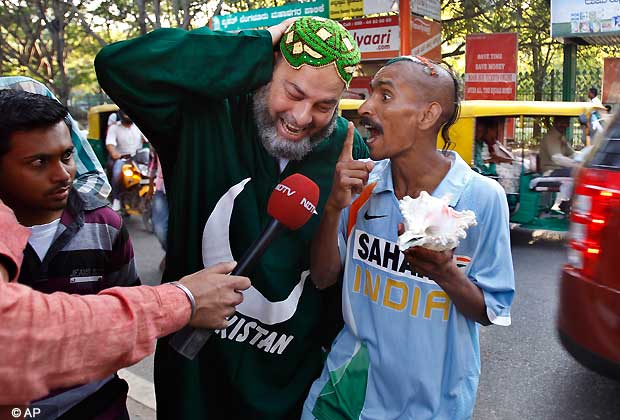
(148, 254)
(525, 372)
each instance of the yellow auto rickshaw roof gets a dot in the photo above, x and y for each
(103, 108)
(350, 104)
(485, 108)
(488, 108)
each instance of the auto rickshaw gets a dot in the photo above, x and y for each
(530, 196)
(98, 127)
(137, 175)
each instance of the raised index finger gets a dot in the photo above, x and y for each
(347, 148)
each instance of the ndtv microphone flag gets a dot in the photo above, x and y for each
(293, 201)
(491, 66)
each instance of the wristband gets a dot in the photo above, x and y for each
(189, 295)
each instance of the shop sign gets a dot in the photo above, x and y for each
(491, 66)
(428, 8)
(426, 38)
(378, 38)
(270, 16)
(340, 9)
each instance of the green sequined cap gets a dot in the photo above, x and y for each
(320, 42)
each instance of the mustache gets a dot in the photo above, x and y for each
(365, 121)
(58, 187)
(267, 132)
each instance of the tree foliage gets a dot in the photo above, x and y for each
(540, 56)
(56, 40)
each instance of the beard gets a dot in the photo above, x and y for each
(276, 145)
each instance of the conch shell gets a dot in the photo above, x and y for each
(432, 224)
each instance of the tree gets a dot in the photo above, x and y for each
(538, 52)
(35, 40)
(468, 17)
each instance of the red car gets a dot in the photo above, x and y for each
(589, 311)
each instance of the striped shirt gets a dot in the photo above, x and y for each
(44, 337)
(91, 251)
(90, 176)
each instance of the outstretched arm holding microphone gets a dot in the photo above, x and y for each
(45, 336)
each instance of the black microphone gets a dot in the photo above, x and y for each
(291, 205)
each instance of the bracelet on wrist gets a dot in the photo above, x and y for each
(189, 295)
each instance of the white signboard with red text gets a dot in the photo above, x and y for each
(426, 38)
(491, 66)
(430, 8)
(378, 38)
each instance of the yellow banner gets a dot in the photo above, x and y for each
(339, 9)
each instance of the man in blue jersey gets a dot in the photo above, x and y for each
(409, 348)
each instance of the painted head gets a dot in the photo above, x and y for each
(298, 108)
(36, 155)
(413, 99)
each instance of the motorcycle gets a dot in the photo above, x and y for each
(138, 185)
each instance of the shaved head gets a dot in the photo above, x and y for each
(433, 83)
(412, 101)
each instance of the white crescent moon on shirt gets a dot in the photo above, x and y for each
(216, 249)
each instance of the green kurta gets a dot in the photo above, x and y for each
(190, 93)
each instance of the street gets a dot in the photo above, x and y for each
(148, 254)
(526, 374)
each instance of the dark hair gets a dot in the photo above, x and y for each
(448, 143)
(487, 120)
(594, 91)
(25, 111)
(123, 117)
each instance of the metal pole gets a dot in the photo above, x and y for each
(569, 79)
(404, 7)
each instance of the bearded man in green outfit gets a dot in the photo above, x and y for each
(231, 115)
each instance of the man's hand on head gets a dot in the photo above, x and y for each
(278, 30)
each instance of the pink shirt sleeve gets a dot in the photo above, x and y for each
(13, 240)
(59, 340)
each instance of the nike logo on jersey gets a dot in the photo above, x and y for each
(369, 217)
